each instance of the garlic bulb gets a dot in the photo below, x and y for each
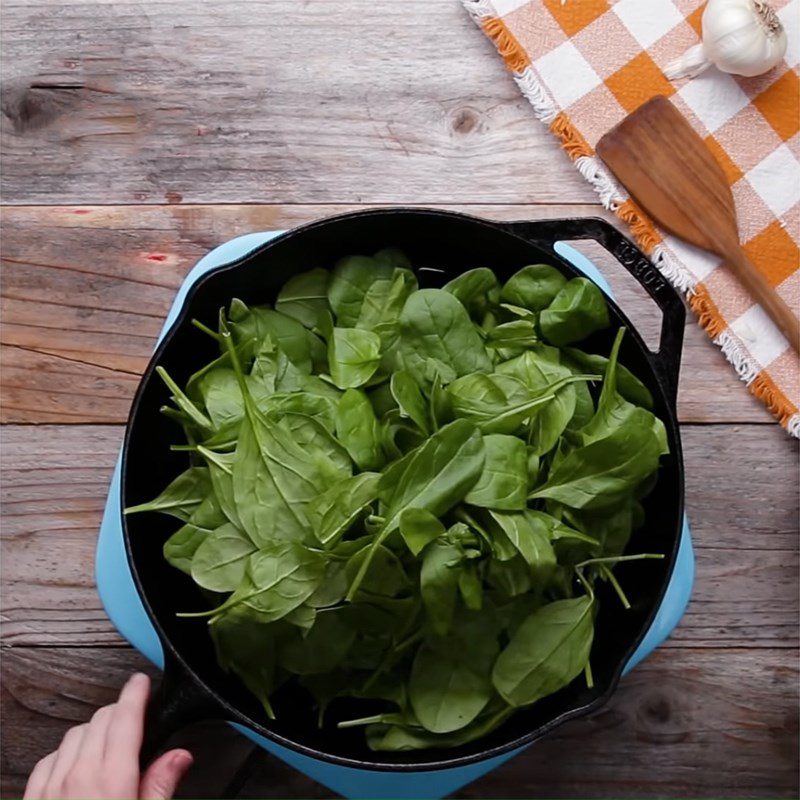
(744, 37)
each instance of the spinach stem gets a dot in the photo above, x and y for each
(186, 405)
(586, 585)
(587, 671)
(617, 559)
(612, 579)
(355, 723)
(206, 329)
(365, 564)
(213, 457)
(174, 414)
(408, 641)
(250, 407)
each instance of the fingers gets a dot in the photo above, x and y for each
(94, 742)
(39, 777)
(101, 759)
(66, 756)
(164, 774)
(125, 728)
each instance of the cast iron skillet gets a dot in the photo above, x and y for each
(440, 245)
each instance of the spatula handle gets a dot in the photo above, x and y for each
(764, 294)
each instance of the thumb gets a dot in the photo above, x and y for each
(162, 777)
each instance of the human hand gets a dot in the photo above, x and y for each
(100, 759)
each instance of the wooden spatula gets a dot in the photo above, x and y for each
(671, 174)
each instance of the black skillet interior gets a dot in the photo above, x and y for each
(437, 241)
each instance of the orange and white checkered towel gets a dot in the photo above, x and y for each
(586, 64)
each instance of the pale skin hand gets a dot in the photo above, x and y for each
(101, 758)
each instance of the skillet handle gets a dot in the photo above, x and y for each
(176, 703)
(545, 233)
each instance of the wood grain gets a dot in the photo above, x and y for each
(86, 289)
(685, 723)
(249, 102)
(742, 500)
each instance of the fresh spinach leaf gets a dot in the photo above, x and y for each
(320, 407)
(333, 512)
(539, 369)
(628, 385)
(385, 578)
(441, 410)
(303, 617)
(517, 335)
(398, 738)
(445, 694)
(220, 468)
(358, 430)
(408, 396)
(419, 528)
(182, 497)
(606, 471)
(470, 586)
(246, 647)
(305, 296)
(393, 258)
(434, 325)
(301, 346)
(322, 650)
(476, 289)
(534, 287)
(499, 403)
(547, 652)
(353, 356)
(578, 310)
(532, 543)
(350, 280)
(503, 482)
(274, 480)
(221, 396)
(613, 411)
(219, 562)
(383, 302)
(439, 584)
(277, 579)
(437, 475)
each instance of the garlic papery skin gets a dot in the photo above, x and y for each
(743, 37)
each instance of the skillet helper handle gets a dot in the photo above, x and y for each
(177, 702)
(545, 233)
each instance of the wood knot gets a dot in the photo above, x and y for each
(658, 710)
(464, 120)
(661, 721)
(36, 104)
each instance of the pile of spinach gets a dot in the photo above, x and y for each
(407, 495)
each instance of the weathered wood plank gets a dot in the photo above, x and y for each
(85, 291)
(686, 723)
(742, 499)
(264, 102)
(46, 691)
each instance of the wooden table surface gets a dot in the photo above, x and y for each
(138, 135)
